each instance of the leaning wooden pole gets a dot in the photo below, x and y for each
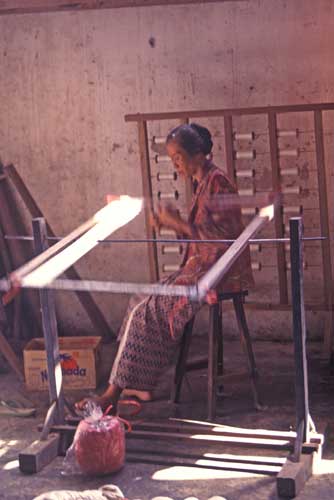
(86, 300)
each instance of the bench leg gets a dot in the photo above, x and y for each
(247, 346)
(214, 334)
(181, 365)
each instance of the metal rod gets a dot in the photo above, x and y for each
(21, 238)
(252, 240)
(299, 326)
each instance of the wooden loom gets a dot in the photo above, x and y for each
(305, 445)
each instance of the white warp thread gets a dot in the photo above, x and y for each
(107, 492)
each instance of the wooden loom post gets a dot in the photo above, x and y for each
(299, 465)
(86, 300)
(50, 330)
(299, 326)
(278, 217)
(147, 193)
(324, 225)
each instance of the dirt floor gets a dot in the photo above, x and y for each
(177, 482)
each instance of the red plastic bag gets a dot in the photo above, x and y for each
(99, 445)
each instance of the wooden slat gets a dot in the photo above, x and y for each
(278, 218)
(147, 193)
(215, 457)
(228, 133)
(86, 300)
(34, 6)
(189, 188)
(10, 355)
(174, 115)
(4, 254)
(324, 225)
(218, 440)
(200, 462)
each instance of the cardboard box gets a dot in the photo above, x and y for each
(79, 358)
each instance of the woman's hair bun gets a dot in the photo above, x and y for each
(192, 138)
(205, 135)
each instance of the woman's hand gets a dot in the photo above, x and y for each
(169, 217)
(154, 220)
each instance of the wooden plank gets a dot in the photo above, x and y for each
(35, 6)
(86, 300)
(174, 115)
(173, 452)
(18, 300)
(5, 254)
(133, 456)
(293, 476)
(10, 355)
(148, 196)
(39, 454)
(228, 133)
(278, 217)
(324, 225)
(208, 440)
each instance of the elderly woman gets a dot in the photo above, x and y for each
(153, 325)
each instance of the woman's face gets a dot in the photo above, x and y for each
(183, 163)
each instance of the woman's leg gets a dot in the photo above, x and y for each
(149, 335)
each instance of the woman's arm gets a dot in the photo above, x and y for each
(170, 217)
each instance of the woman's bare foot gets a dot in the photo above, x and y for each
(98, 400)
(141, 395)
(109, 397)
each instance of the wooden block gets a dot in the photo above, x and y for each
(293, 476)
(39, 454)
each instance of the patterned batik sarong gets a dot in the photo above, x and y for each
(153, 325)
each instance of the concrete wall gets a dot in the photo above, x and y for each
(68, 79)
